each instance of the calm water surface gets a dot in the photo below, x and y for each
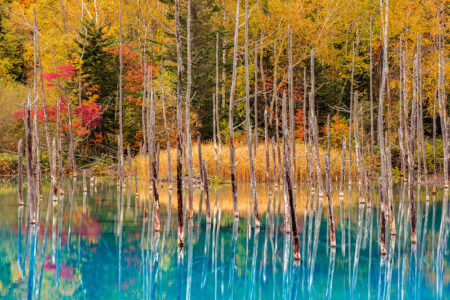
(100, 245)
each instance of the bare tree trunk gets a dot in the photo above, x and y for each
(200, 159)
(313, 126)
(328, 187)
(71, 144)
(255, 103)
(130, 174)
(350, 119)
(58, 136)
(144, 101)
(266, 148)
(37, 150)
(249, 125)
(445, 128)
(274, 162)
(357, 149)
(84, 181)
(215, 134)
(277, 140)
(30, 161)
(152, 163)
(54, 175)
(434, 146)
(341, 185)
(405, 113)
(206, 188)
(381, 130)
(188, 111)
(411, 155)
(44, 106)
(231, 113)
(310, 171)
(275, 80)
(372, 136)
(120, 93)
(166, 130)
(288, 183)
(292, 111)
(20, 173)
(179, 125)
(390, 193)
(215, 107)
(420, 129)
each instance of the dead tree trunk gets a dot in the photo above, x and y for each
(255, 103)
(30, 162)
(390, 192)
(434, 146)
(358, 150)
(249, 125)
(179, 125)
(44, 106)
(329, 192)
(120, 93)
(292, 111)
(188, 111)
(84, 181)
(411, 155)
(206, 188)
(310, 171)
(350, 119)
(71, 144)
(288, 183)
(341, 185)
(20, 173)
(231, 113)
(445, 127)
(381, 131)
(166, 130)
(53, 175)
(372, 136)
(152, 164)
(313, 126)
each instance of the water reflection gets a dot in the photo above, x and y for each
(103, 245)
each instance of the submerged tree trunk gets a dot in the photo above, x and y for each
(249, 126)
(120, 94)
(20, 173)
(292, 111)
(30, 162)
(231, 113)
(179, 125)
(53, 175)
(329, 192)
(188, 111)
(166, 130)
(202, 167)
(358, 150)
(71, 144)
(288, 183)
(255, 103)
(313, 125)
(381, 131)
(341, 185)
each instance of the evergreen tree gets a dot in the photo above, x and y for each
(100, 76)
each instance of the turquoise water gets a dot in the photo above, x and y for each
(100, 245)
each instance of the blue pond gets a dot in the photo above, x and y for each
(101, 245)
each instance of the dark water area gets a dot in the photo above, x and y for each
(101, 245)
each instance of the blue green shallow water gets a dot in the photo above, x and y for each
(100, 245)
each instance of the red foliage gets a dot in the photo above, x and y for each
(299, 119)
(84, 117)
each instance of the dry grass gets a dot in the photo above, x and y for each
(242, 163)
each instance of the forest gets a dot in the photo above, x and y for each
(274, 98)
